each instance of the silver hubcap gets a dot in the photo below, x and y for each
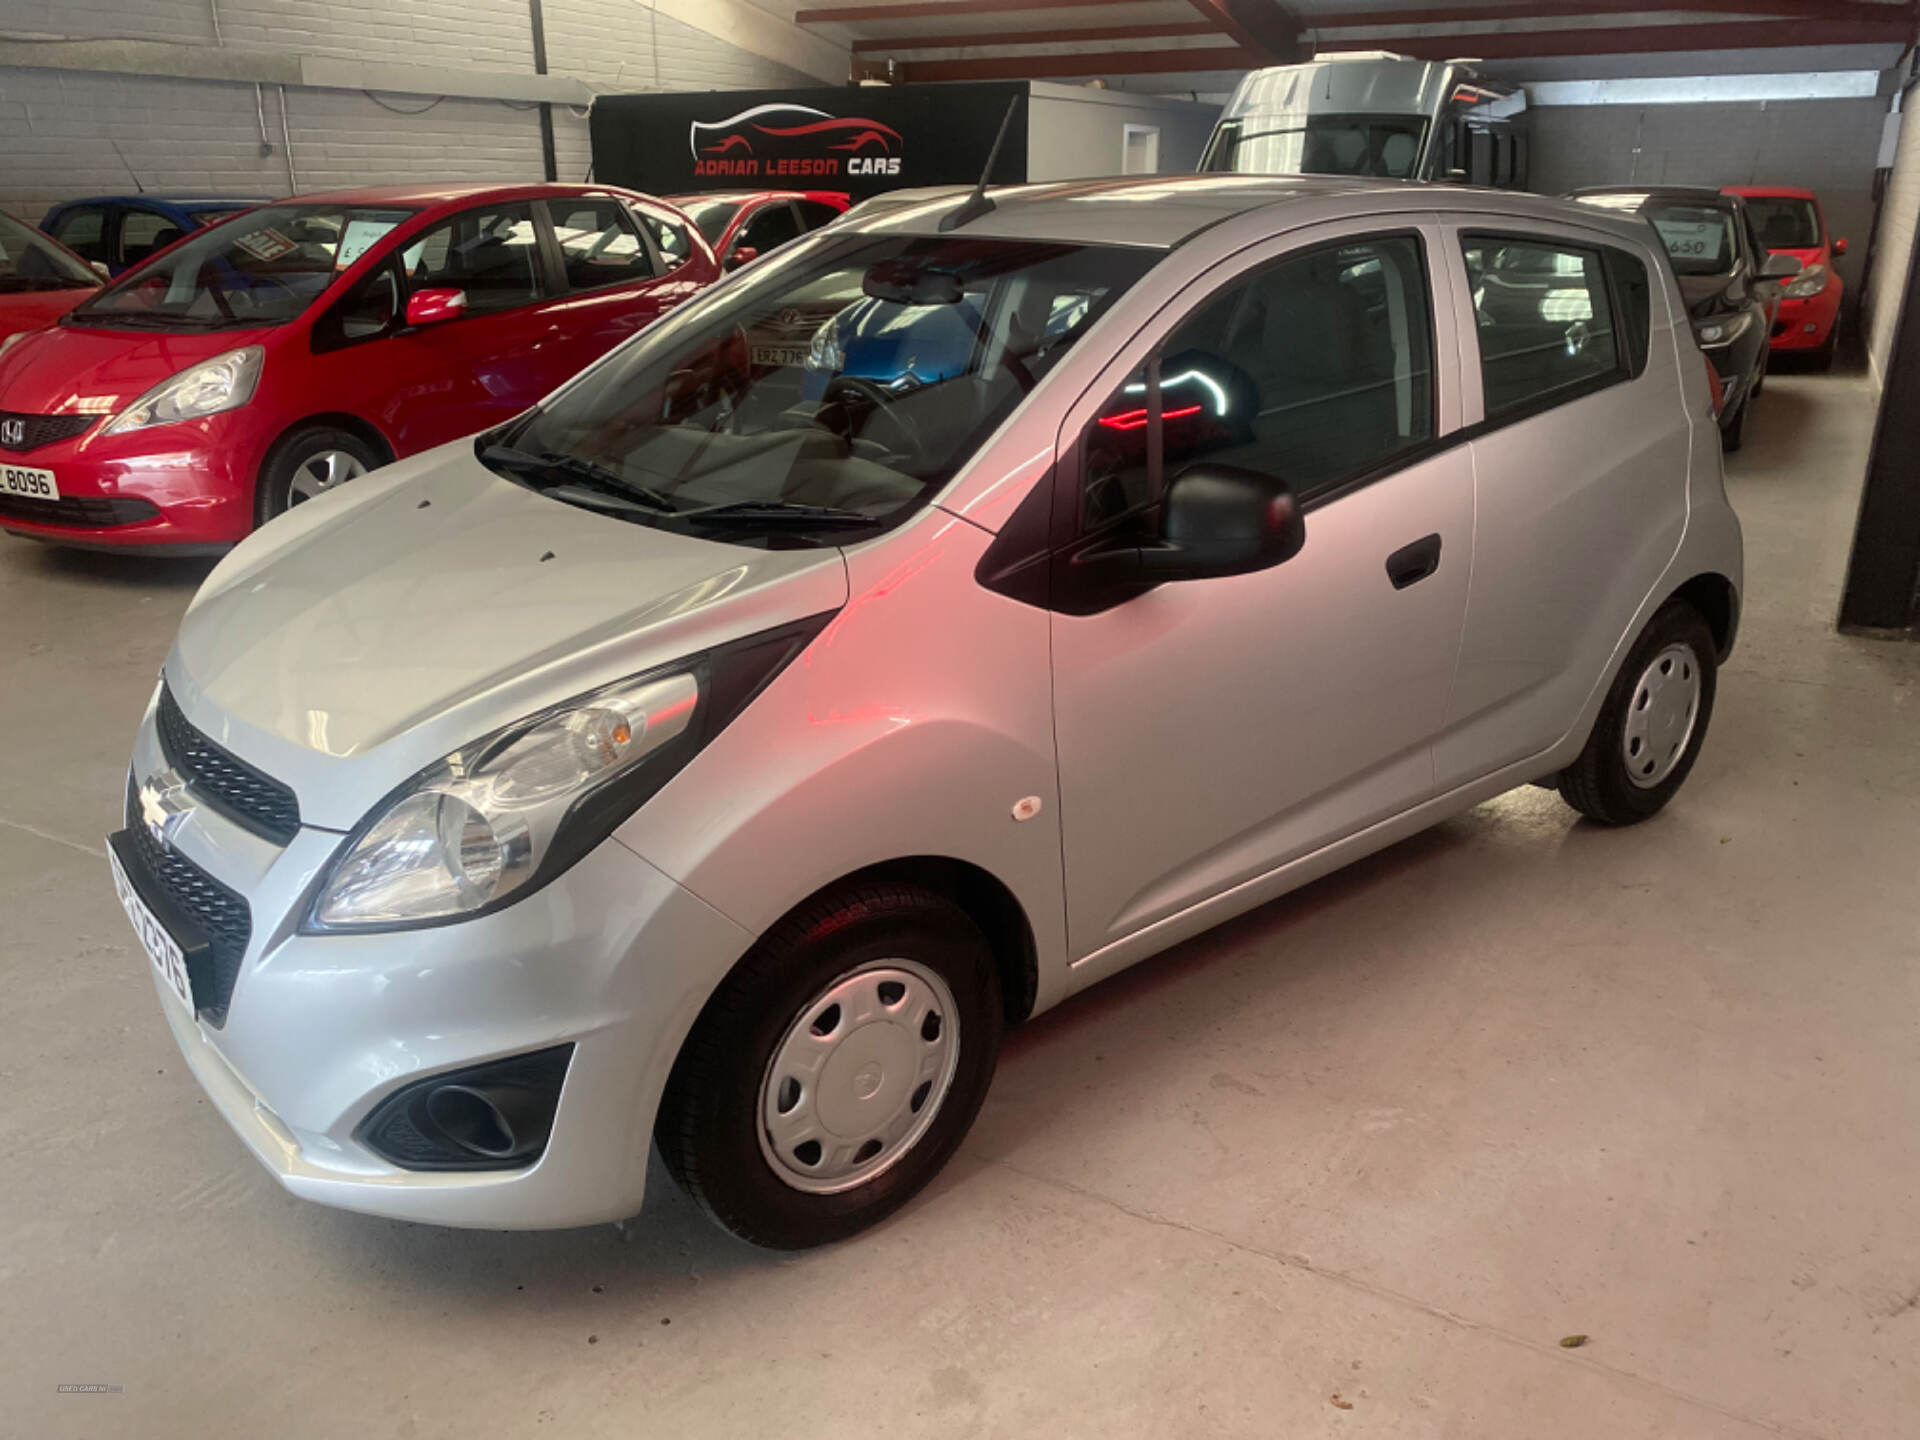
(859, 1076)
(321, 472)
(1660, 720)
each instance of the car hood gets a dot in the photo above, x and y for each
(30, 309)
(69, 370)
(365, 635)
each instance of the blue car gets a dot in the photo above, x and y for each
(119, 231)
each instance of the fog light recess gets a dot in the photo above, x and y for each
(493, 1116)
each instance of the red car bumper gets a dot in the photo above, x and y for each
(1806, 324)
(174, 486)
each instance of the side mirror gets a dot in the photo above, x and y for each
(1221, 520)
(1840, 246)
(1780, 267)
(1216, 520)
(430, 307)
(742, 255)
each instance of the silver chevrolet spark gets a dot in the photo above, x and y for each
(944, 613)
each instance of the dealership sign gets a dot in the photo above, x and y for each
(859, 139)
(792, 142)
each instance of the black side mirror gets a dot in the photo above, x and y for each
(1216, 520)
(1222, 520)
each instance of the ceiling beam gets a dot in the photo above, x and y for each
(1066, 67)
(1540, 10)
(1631, 40)
(1260, 27)
(937, 10)
(1085, 35)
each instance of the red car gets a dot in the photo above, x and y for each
(743, 225)
(262, 361)
(40, 280)
(1789, 220)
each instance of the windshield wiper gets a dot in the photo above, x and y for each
(88, 318)
(581, 471)
(781, 513)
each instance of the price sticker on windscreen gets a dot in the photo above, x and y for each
(359, 237)
(1692, 239)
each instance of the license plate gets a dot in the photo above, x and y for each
(795, 355)
(25, 481)
(161, 947)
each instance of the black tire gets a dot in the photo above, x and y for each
(1829, 348)
(276, 494)
(1733, 435)
(1598, 784)
(709, 1130)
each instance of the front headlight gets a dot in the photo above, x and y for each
(474, 828)
(500, 817)
(1722, 330)
(1810, 281)
(225, 382)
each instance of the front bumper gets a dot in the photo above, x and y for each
(613, 958)
(1805, 324)
(187, 487)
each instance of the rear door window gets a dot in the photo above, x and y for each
(815, 213)
(491, 252)
(599, 246)
(1545, 322)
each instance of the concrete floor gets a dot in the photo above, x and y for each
(1387, 1141)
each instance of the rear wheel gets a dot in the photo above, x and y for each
(1652, 724)
(836, 1069)
(310, 462)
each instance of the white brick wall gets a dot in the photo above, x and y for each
(1893, 252)
(58, 128)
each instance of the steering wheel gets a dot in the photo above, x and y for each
(881, 402)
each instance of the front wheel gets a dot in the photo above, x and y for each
(308, 463)
(1733, 434)
(1651, 725)
(836, 1069)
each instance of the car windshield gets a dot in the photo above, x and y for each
(1699, 238)
(823, 396)
(264, 267)
(710, 217)
(1785, 222)
(1386, 146)
(29, 261)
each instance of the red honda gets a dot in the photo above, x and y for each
(1789, 220)
(264, 360)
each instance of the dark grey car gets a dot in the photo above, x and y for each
(1728, 279)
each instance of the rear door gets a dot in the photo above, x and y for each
(1580, 474)
(611, 282)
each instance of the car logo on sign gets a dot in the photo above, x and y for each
(164, 806)
(13, 433)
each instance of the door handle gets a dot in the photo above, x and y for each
(1411, 564)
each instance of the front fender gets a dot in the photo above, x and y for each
(912, 727)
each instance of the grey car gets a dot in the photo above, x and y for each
(724, 754)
